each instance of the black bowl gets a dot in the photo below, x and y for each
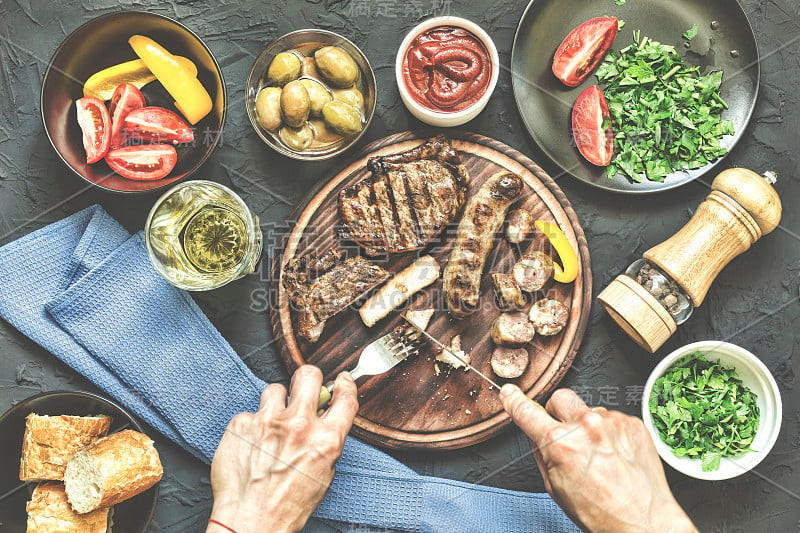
(130, 516)
(101, 43)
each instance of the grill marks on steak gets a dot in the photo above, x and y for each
(404, 211)
(386, 219)
(407, 201)
(320, 287)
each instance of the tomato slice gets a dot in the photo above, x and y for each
(595, 142)
(582, 50)
(145, 162)
(126, 98)
(156, 124)
(95, 122)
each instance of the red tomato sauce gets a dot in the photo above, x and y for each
(447, 69)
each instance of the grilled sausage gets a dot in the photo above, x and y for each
(519, 225)
(549, 316)
(483, 216)
(509, 363)
(507, 293)
(512, 329)
(533, 270)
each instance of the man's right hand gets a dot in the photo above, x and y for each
(600, 466)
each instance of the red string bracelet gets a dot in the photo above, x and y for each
(220, 524)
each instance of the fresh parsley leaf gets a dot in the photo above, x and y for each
(710, 461)
(665, 116)
(620, 2)
(691, 33)
(702, 409)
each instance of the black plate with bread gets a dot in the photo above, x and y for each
(53, 420)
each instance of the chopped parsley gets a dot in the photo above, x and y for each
(665, 115)
(691, 33)
(620, 2)
(702, 409)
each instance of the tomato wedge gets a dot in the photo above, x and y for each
(589, 116)
(126, 98)
(582, 50)
(95, 122)
(156, 124)
(145, 162)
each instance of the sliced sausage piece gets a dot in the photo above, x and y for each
(397, 290)
(512, 329)
(549, 316)
(483, 216)
(507, 293)
(533, 270)
(509, 363)
(519, 225)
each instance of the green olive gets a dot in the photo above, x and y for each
(322, 133)
(317, 94)
(336, 66)
(268, 108)
(350, 96)
(309, 68)
(284, 68)
(297, 139)
(295, 104)
(342, 118)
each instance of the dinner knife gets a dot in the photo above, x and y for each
(451, 352)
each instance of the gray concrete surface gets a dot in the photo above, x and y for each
(754, 302)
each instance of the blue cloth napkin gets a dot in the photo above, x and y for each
(84, 289)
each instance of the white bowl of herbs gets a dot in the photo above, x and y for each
(713, 410)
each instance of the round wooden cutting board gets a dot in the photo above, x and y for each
(411, 406)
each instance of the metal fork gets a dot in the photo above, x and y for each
(380, 356)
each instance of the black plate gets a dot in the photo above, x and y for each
(546, 104)
(130, 516)
(101, 43)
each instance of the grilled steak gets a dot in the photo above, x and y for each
(407, 201)
(320, 287)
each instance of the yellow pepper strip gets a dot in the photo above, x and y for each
(564, 249)
(191, 98)
(103, 84)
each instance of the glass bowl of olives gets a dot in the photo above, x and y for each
(310, 94)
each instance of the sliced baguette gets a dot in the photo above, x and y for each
(111, 470)
(49, 441)
(50, 512)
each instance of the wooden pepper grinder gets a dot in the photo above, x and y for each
(660, 291)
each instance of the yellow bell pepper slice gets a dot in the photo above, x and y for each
(102, 84)
(191, 98)
(566, 253)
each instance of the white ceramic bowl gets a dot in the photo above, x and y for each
(435, 118)
(756, 376)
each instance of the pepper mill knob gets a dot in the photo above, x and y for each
(753, 192)
(741, 207)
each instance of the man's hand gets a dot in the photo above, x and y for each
(273, 467)
(600, 466)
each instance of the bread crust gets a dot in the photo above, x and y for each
(127, 462)
(49, 441)
(50, 512)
